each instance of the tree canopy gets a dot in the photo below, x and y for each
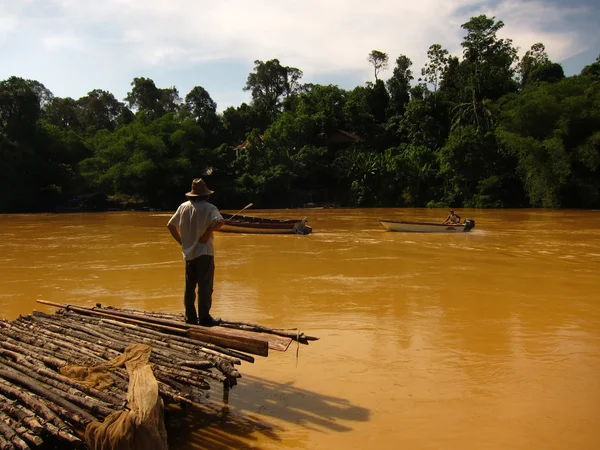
(486, 129)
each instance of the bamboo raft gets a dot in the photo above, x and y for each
(43, 406)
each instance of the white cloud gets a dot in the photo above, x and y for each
(70, 41)
(8, 23)
(318, 36)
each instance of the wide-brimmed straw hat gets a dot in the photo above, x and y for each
(199, 189)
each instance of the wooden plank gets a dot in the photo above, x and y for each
(277, 343)
(241, 343)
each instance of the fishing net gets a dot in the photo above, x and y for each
(140, 428)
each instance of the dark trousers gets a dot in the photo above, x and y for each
(199, 272)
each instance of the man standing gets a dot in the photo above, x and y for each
(192, 227)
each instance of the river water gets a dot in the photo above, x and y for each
(481, 340)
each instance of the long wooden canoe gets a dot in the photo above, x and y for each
(259, 225)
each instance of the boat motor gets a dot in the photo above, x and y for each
(469, 223)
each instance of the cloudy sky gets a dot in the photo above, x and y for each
(74, 46)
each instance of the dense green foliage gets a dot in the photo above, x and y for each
(484, 130)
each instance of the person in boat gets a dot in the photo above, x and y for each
(452, 219)
(192, 226)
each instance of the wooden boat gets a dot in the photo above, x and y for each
(258, 225)
(427, 227)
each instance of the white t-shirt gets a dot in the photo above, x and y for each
(193, 219)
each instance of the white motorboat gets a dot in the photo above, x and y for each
(427, 227)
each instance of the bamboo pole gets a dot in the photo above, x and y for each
(294, 335)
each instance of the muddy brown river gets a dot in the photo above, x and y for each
(481, 340)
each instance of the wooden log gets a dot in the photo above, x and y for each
(37, 424)
(190, 373)
(228, 370)
(25, 433)
(27, 350)
(44, 347)
(35, 403)
(11, 435)
(170, 394)
(21, 414)
(72, 411)
(70, 345)
(103, 395)
(4, 444)
(64, 435)
(169, 377)
(93, 405)
(238, 342)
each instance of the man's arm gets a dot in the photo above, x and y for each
(218, 225)
(214, 227)
(174, 232)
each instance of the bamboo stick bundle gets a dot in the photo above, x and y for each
(106, 395)
(23, 415)
(194, 380)
(195, 342)
(183, 344)
(35, 344)
(221, 361)
(42, 423)
(171, 376)
(171, 389)
(218, 336)
(65, 342)
(156, 314)
(20, 345)
(190, 344)
(11, 437)
(37, 401)
(4, 444)
(24, 433)
(24, 349)
(60, 403)
(158, 356)
(95, 406)
(34, 403)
